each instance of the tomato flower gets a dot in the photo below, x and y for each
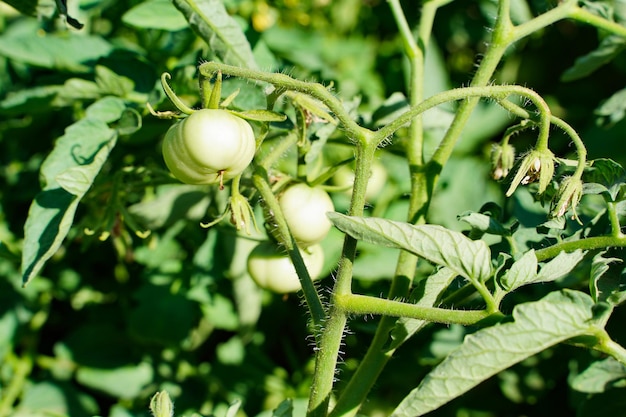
(569, 194)
(537, 165)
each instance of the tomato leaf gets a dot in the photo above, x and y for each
(155, 14)
(121, 382)
(600, 376)
(260, 115)
(67, 172)
(613, 109)
(607, 285)
(523, 271)
(468, 258)
(54, 51)
(536, 326)
(221, 32)
(609, 48)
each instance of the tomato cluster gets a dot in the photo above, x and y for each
(304, 209)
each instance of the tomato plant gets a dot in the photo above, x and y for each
(273, 270)
(482, 260)
(209, 146)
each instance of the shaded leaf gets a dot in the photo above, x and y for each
(609, 48)
(162, 317)
(600, 376)
(607, 176)
(122, 382)
(536, 326)
(284, 409)
(30, 100)
(209, 19)
(484, 223)
(155, 14)
(468, 258)
(606, 286)
(613, 109)
(427, 294)
(610, 403)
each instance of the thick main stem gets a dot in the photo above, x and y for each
(330, 343)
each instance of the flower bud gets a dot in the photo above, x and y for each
(537, 165)
(568, 195)
(502, 160)
(161, 405)
(241, 214)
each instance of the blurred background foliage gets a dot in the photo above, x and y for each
(140, 298)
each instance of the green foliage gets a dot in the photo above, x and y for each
(494, 281)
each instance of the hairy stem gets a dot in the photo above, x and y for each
(284, 237)
(364, 304)
(330, 342)
(285, 82)
(377, 356)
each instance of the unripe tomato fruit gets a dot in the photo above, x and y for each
(344, 177)
(305, 211)
(273, 270)
(209, 146)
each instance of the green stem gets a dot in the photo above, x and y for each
(608, 346)
(23, 367)
(172, 95)
(377, 355)
(584, 16)
(363, 304)
(613, 213)
(467, 94)
(590, 243)
(284, 238)
(562, 11)
(581, 151)
(330, 341)
(284, 82)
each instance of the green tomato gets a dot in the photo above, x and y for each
(305, 211)
(208, 147)
(344, 177)
(273, 270)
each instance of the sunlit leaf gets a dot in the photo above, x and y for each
(523, 271)
(122, 382)
(560, 266)
(221, 32)
(155, 14)
(536, 326)
(67, 173)
(62, 52)
(468, 258)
